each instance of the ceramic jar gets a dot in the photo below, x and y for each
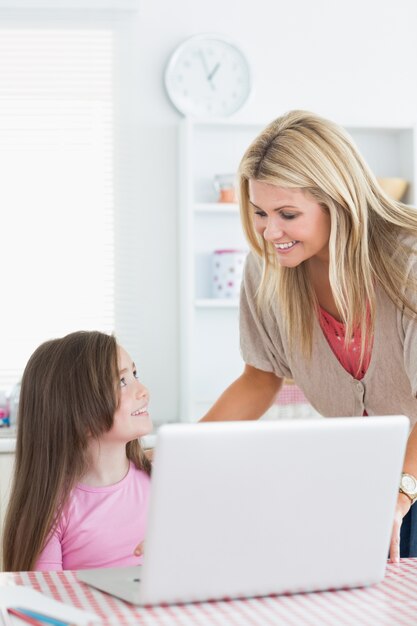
(227, 270)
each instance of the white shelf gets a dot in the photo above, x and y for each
(216, 207)
(216, 303)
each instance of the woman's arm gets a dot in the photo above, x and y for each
(247, 398)
(410, 460)
(403, 501)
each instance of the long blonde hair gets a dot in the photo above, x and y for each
(304, 151)
(69, 393)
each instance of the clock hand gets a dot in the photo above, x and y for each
(206, 69)
(213, 71)
(203, 59)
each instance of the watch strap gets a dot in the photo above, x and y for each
(412, 500)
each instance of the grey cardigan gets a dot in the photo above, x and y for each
(389, 386)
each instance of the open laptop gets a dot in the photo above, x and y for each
(243, 509)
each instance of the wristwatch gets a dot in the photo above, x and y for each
(408, 486)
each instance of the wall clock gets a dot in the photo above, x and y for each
(208, 76)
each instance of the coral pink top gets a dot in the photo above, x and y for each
(349, 357)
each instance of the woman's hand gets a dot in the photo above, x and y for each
(402, 508)
(138, 551)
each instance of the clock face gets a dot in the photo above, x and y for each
(208, 76)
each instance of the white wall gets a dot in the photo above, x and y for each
(354, 62)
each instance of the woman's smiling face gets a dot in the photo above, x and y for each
(292, 221)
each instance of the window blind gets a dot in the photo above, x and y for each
(57, 187)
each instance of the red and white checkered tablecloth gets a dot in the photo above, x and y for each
(290, 394)
(390, 603)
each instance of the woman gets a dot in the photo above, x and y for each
(329, 291)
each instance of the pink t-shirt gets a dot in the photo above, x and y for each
(100, 526)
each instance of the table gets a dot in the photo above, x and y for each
(393, 602)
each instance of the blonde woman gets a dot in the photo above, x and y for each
(329, 294)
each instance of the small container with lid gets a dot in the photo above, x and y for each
(225, 187)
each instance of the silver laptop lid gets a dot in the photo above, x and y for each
(255, 508)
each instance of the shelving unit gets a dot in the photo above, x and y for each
(209, 336)
(209, 328)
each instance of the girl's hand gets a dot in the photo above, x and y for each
(138, 551)
(402, 508)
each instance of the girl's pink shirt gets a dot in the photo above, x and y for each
(100, 526)
(349, 357)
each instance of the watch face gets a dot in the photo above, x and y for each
(208, 76)
(409, 484)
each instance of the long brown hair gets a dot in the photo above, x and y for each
(69, 393)
(304, 151)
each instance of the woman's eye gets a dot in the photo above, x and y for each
(123, 382)
(260, 213)
(288, 216)
(135, 374)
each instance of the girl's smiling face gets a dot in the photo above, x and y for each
(292, 221)
(131, 419)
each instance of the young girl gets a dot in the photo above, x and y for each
(81, 482)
